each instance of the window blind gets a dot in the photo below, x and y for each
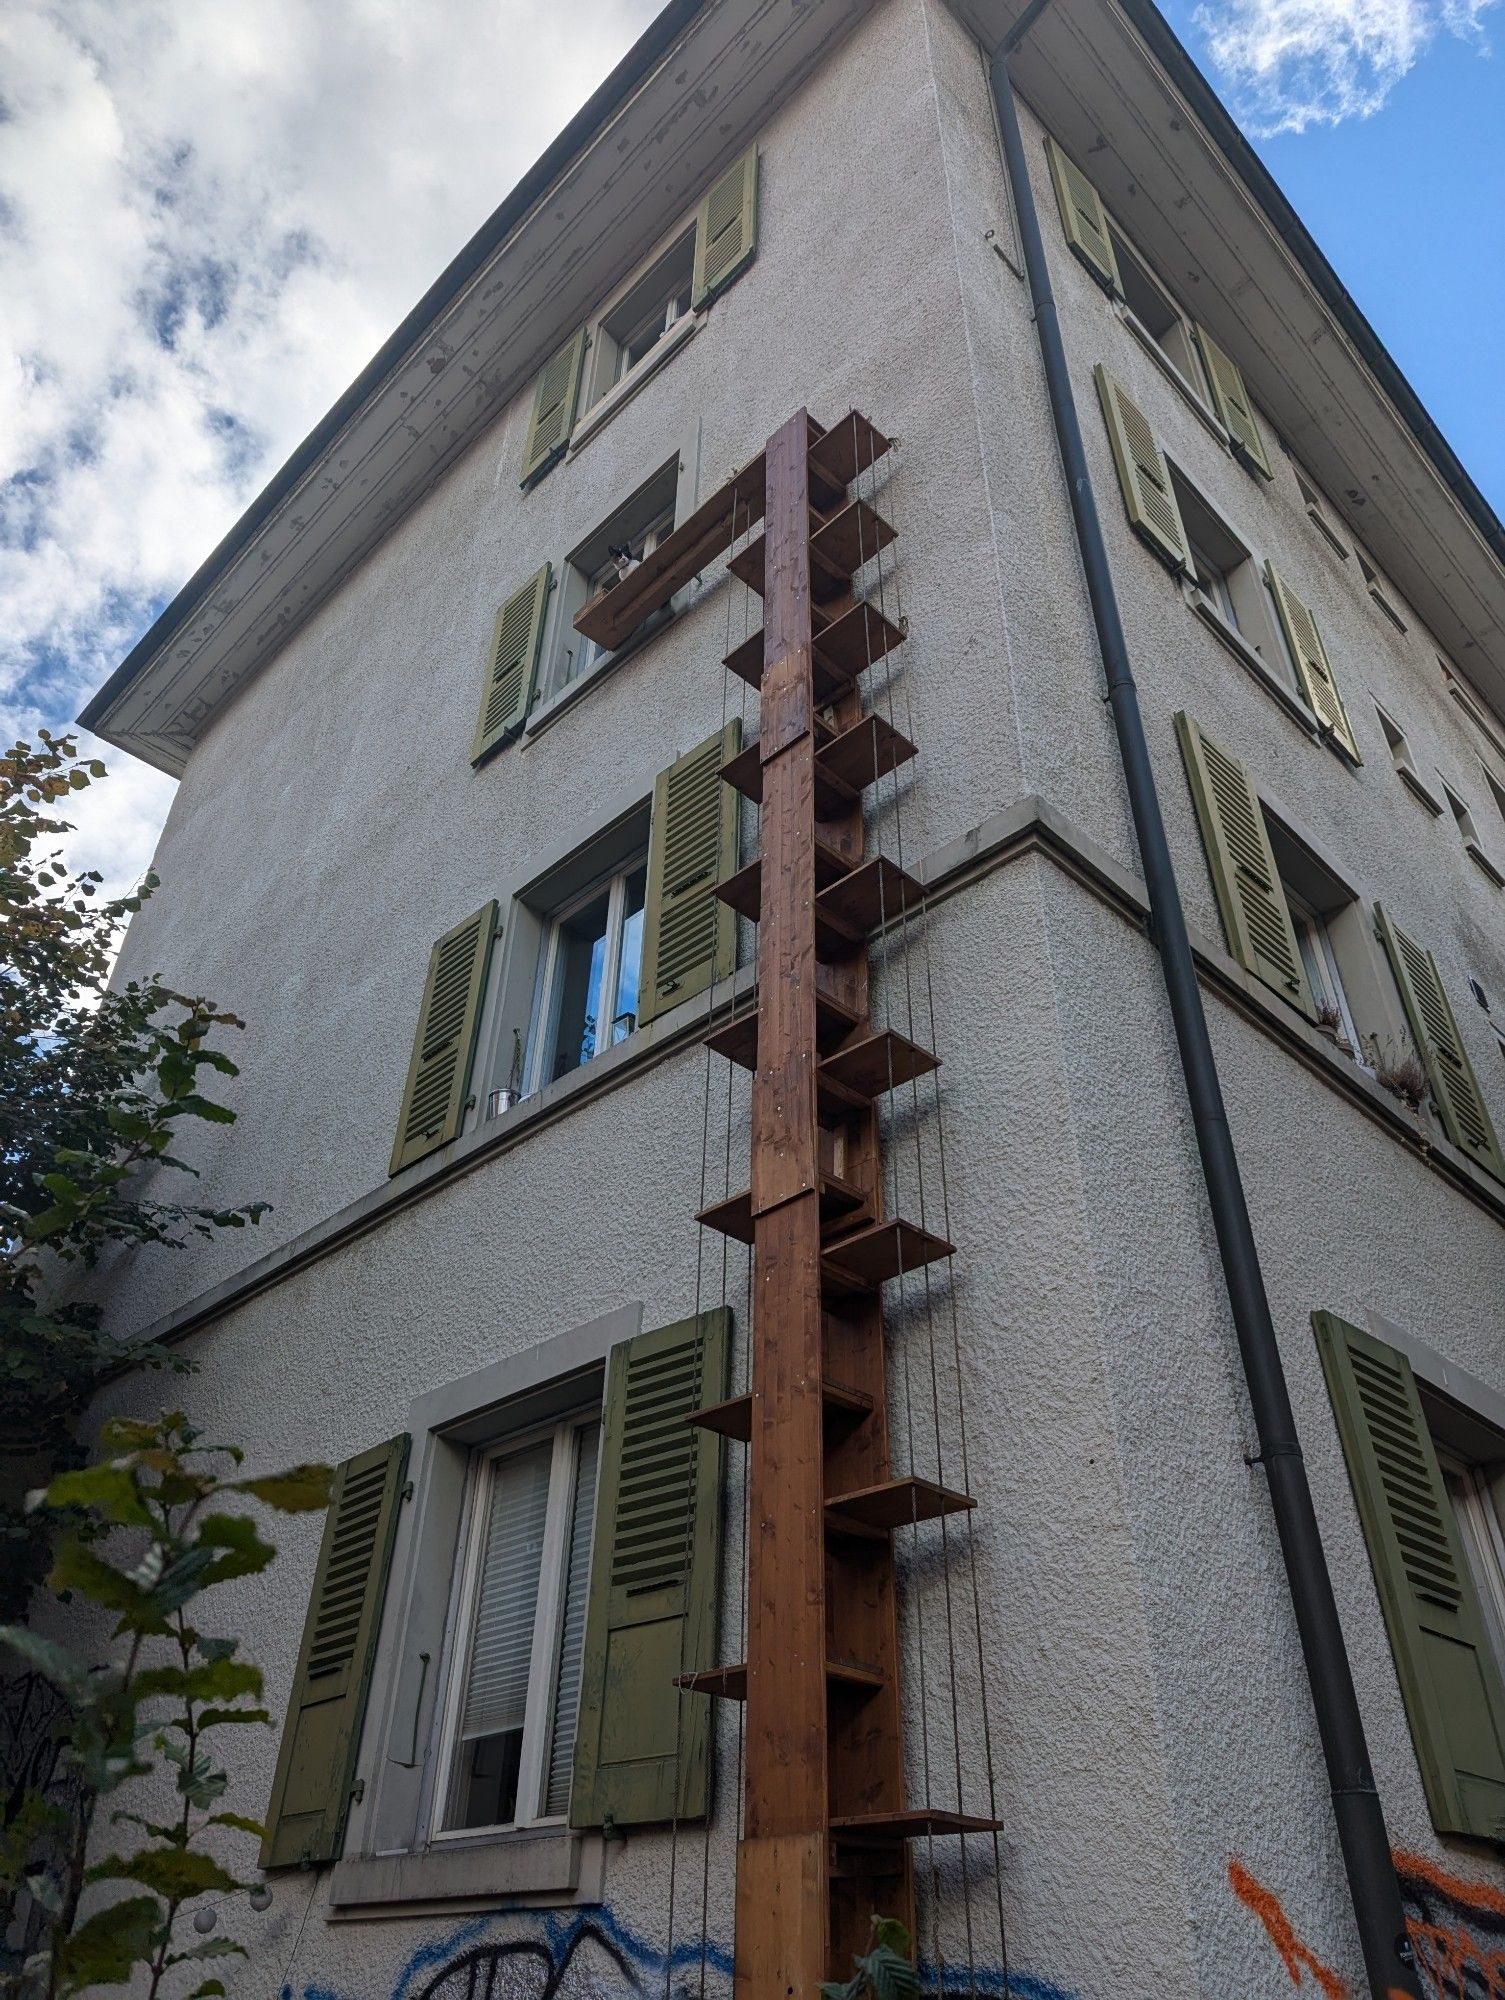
(572, 1626)
(506, 1598)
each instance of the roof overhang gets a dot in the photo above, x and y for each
(691, 92)
(1117, 88)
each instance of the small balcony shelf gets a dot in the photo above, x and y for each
(913, 1823)
(851, 446)
(737, 1039)
(731, 1682)
(871, 1256)
(876, 1063)
(734, 1217)
(849, 902)
(846, 763)
(839, 547)
(844, 1409)
(894, 1503)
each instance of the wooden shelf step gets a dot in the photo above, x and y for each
(851, 446)
(839, 547)
(914, 1823)
(896, 1503)
(872, 1255)
(731, 1682)
(737, 1039)
(875, 893)
(734, 1216)
(612, 615)
(844, 648)
(877, 1063)
(845, 764)
(744, 890)
(844, 1409)
(832, 676)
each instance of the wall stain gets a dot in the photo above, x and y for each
(1456, 1927)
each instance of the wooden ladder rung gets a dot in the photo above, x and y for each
(744, 890)
(849, 540)
(913, 1823)
(734, 1216)
(872, 1255)
(876, 1063)
(851, 446)
(846, 763)
(863, 898)
(737, 1039)
(731, 1682)
(733, 1418)
(894, 1503)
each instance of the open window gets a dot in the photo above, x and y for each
(586, 999)
(1226, 579)
(1157, 313)
(1327, 920)
(647, 313)
(1320, 515)
(610, 552)
(1405, 763)
(1468, 833)
(1378, 591)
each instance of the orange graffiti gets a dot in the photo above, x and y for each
(1455, 1929)
(1293, 1954)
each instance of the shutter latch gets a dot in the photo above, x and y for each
(357, 1791)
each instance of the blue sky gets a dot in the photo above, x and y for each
(210, 218)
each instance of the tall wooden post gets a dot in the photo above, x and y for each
(782, 1865)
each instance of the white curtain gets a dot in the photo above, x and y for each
(572, 1626)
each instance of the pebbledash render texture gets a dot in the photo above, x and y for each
(452, 859)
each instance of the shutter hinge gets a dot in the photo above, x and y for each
(610, 1829)
(357, 1791)
(407, 1491)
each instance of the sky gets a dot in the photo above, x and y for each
(212, 214)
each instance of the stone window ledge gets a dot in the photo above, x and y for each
(555, 1866)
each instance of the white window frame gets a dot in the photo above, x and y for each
(541, 1047)
(1309, 923)
(1478, 1516)
(1317, 513)
(1191, 374)
(539, 1714)
(587, 655)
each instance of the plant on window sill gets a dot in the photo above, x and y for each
(885, 1970)
(1330, 1023)
(1398, 1069)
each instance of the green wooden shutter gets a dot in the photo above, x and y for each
(1083, 218)
(433, 1104)
(512, 664)
(1449, 1071)
(689, 936)
(1143, 474)
(726, 230)
(321, 1735)
(1231, 401)
(655, 1573)
(1251, 900)
(554, 402)
(1310, 656)
(1449, 1679)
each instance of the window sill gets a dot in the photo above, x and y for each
(553, 706)
(621, 393)
(1483, 863)
(1418, 790)
(558, 1867)
(1248, 658)
(1172, 373)
(1328, 533)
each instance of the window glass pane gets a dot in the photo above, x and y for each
(582, 959)
(625, 1012)
(489, 1741)
(572, 1627)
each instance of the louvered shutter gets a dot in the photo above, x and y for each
(554, 403)
(1245, 878)
(1143, 474)
(433, 1104)
(1083, 218)
(1231, 401)
(1455, 1088)
(1310, 656)
(1449, 1679)
(689, 936)
(726, 230)
(654, 1578)
(512, 664)
(321, 1735)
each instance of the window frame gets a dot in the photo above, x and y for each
(1317, 513)
(1404, 759)
(1311, 924)
(538, 1051)
(1468, 832)
(1480, 1529)
(1190, 370)
(674, 243)
(539, 1712)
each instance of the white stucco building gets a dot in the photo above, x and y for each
(452, 862)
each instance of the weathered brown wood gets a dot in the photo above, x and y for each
(737, 1039)
(848, 1676)
(733, 1216)
(733, 1418)
(783, 1926)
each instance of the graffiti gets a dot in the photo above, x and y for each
(593, 1956)
(1457, 1930)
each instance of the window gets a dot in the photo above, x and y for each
(1157, 312)
(1317, 514)
(1377, 591)
(1471, 1487)
(586, 998)
(1404, 762)
(1325, 917)
(1469, 834)
(1226, 578)
(515, 1688)
(651, 307)
(609, 553)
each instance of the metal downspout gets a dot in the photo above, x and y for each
(1360, 1819)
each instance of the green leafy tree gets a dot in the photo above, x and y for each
(94, 1085)
(885, 1971)
(146, 1534)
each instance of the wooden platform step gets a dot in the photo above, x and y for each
(876, 1063)
(913, 1823)
(844, 1408)
(895, 1503)
(845, 647)
(734, 1216)
(869, 1257)
(731, 1682)
(846, 763)
(850, 446)
(737, 1038)
(850, 903)
(841, 545)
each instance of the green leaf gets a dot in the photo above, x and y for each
(302, 1489)
(210, 1948)
(104, 1948)
(891, 1932)
(174, 1873)
(78, 1567)
(245, 1553)
(211, 1718)
(240, 1821)
(107, 1489)
(890, 1976)
(215, 1649)
(215, 1680)
(206, 1987)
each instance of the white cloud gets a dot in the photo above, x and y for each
(210, 217)
(1288, 64)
